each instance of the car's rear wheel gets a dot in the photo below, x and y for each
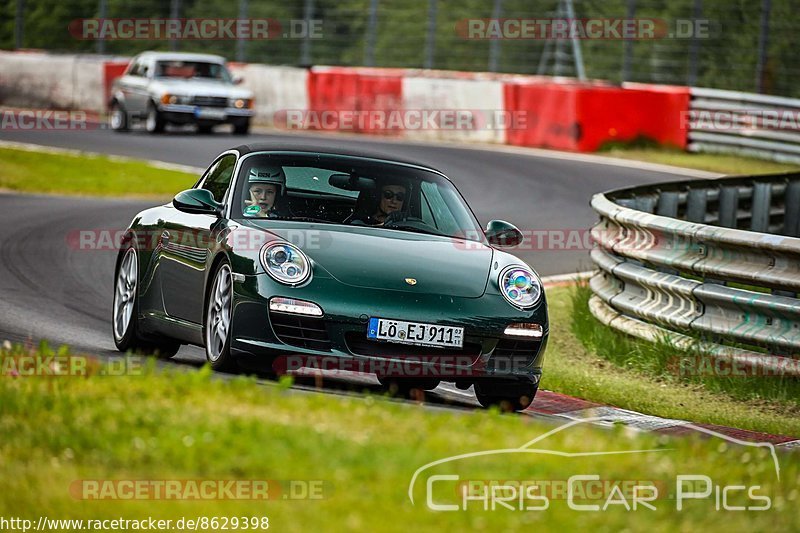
(507, 398)
(217, 327)
(154, 123)
(118, 118)
(125, 320)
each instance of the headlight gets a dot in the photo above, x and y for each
(242, 103)
(175, 99)
(285, 263)
(520, 286)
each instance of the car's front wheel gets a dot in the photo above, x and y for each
(217, 327)
(241, 127)
(154, 123)
(118, 118)
(125, 320)
(516, 397)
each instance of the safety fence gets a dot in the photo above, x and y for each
(758, 125)
(710, 264)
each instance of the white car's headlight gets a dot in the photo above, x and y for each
(286, 263)
(176, 99)
(241, 103)
(520, 286)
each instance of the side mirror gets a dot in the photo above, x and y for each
(197, 202)
(238, 80)
(503, 234)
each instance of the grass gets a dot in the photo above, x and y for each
(163, 425)
(591, 361)
(720, 163)
(53, 173)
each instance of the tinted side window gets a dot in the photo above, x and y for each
(136, 68)
(218, 177)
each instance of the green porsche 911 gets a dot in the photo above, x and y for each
(293, 256)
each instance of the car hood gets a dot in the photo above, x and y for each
(384, 259)
(198, 87)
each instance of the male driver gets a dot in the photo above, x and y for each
(392, 198)
(265, 184)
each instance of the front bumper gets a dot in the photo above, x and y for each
(338, 339)
(186, 114)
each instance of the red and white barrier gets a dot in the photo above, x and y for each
(35, 79)
(409, 103)
(481, 100)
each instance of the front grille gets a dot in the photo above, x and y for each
(210, 101)
(515, 352)
(359, 344)
(301, 331)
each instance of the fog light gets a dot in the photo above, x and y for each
(524, 330)
(295, 307)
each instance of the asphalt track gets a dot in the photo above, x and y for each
(50, 289)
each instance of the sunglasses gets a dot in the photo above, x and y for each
(401, 196)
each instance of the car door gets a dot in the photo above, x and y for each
(186, 240)
(134, 87)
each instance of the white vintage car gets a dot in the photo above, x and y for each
(163, 88)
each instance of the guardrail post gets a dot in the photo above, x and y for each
(762, 196)
(646, 203)
(728, 206)
(696, 205)
(668, 204)
(791, 203)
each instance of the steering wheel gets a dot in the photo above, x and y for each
(398, 219)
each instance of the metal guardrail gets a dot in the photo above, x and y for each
(713, 264)
(767, 127)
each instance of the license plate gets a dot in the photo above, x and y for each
(415, 333)
(218, 114)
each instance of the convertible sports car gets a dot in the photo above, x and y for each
(354, 258)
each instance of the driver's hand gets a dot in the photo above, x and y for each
(395, 217)
(251, 201)
(254, 201)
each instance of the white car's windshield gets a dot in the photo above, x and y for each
(354, 191)
(192, 69)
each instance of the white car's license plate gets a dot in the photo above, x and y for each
(416, 333)
(218, 114)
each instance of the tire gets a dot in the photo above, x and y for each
(125, 310)
(217, 323)
(517, 401)
(118, 118)
(241, 127)
(408, 387)
(154, 123)
(205, 129)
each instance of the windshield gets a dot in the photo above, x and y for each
(354, 191)
(192, 69)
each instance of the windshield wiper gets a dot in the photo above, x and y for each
(415, 229)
